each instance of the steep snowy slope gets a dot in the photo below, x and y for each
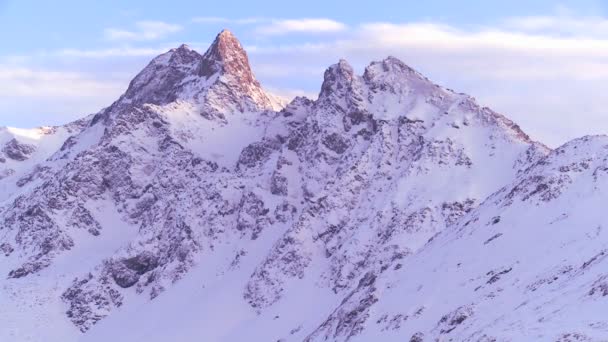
(194, 207)
(20, 149)
(526, 265)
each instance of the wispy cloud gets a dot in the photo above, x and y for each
(144, 30)
(304, 25)
(564, 24)
(32, 97)
(492, 53)
(25, 82)
(223, 20)
(277, 26)
(495, 51)
(111, 52)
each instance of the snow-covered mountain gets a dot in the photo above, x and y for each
(200, 207)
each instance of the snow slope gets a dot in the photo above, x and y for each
(22, 149)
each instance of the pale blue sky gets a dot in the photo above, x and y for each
(542, 63)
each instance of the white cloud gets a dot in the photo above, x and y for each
(443, 37)
(304, 25)
(34, 97)
(25, 82)
(145, 30)
(276, 26)
(488, 53)
(111, 52)
(223, 20)
(563, 23)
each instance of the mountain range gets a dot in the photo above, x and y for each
(200, 207)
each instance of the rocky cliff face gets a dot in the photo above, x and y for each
(196, 203)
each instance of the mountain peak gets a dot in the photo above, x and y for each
(183, 47)
(221, 78)
(226, 55)
(390, 66)
(226, 34)
(337, 78)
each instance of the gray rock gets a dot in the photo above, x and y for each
(18, 151)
